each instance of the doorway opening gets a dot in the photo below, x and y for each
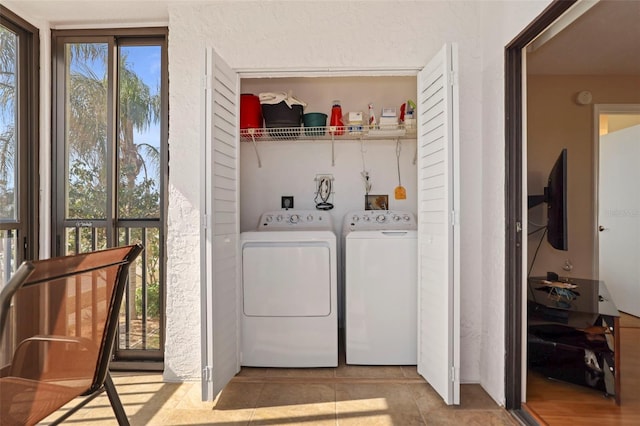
(518, 137)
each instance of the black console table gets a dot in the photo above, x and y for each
(573, 333)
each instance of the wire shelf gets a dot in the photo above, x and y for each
(327, 133)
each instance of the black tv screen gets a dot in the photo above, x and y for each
(556, 198)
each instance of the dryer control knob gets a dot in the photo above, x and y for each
(294, 218)
(366, 218)
(381, 218)
(269, 218)
(310, 218)
(406, 218)
(355, 218)
(396, 218)
(279, 218)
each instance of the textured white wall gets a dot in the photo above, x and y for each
(501, 23)
(311, 35)
(362, 35)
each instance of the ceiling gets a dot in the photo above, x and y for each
(92, 13)
(604, 40)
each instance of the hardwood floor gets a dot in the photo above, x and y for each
(557, 403)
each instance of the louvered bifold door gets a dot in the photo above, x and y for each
(438, 227)
(220, 228)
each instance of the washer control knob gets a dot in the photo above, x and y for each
(269, 218)
(406, 218)
(310, 218)
(355, 218)
(381, 218)
(279, 218)
(366, 218)
(396, 218)
(294, 218)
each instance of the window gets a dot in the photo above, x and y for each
(19, 102)
(110, 171)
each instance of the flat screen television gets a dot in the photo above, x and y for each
(555, 196)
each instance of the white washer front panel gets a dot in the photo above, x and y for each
(284, 262)
(286, 279)
(381, 297)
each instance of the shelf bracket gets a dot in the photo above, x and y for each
(333, 154)
(255, 146)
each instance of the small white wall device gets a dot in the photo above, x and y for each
(584, 98)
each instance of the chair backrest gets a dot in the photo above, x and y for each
(64, 317)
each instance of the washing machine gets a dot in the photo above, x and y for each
(380, 261)
(289, 291)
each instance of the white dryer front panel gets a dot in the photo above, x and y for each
(286, 279)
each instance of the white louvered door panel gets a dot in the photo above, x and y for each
(220, 226)
(438, 241)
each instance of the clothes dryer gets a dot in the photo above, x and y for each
(289, 291)
(380, 287)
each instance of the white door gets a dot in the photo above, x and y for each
(619, 217)
(438, 227)
(220, 226)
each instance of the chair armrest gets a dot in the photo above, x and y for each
(28, 348)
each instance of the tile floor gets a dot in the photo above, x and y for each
(346, 395)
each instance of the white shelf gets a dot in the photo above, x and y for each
(331, 133)
(327, 133)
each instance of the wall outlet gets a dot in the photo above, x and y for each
(286, 201)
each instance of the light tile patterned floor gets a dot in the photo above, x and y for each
(346, 395)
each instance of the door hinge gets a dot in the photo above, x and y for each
(206, 82)
(452, 374)
(454, 217)
(205, 221)
(518, 227)
(207, 374)
(452, 76)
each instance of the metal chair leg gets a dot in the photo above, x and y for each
(116, 404)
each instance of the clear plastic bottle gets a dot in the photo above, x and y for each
(336, 119)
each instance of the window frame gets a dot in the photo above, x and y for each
(28, 140)
(115, 37)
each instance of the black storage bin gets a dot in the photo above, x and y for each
(280, 115)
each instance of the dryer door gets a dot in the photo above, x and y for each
(286, 279)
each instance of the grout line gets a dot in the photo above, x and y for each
(255, 405)
(335, 402)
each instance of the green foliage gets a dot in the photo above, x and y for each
(153, 300)
(137, 193)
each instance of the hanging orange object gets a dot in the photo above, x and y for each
(399, 193)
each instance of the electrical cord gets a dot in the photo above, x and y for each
(533, 261)
(537, 230)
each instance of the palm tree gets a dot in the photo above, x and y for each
(138, 109)
(7, 121)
